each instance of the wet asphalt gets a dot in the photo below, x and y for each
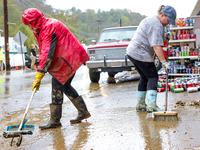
(114, 124)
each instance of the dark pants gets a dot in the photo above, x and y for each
(148, 75)
(58, 89)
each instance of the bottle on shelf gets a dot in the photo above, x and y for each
(175, 67)
(181, 36)
(195, 52)
(183, 51)
(187, 51)
(177, 52)
(183, 69)
(177, 22)
(187, 23)
(172, 67)
(183, 22)
(178, 68)
(171, 36)
(196, 64)
(173, 52)
(191, 22)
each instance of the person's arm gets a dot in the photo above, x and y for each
(46, 57)
(159, 52)
(31, 54)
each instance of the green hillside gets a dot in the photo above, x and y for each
(84, 25)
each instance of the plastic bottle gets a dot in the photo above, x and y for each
(181, 22)
(183, 53)
(175, 68)
(177, 52)
(187, 51)
(192, 89)
(196, 80)
(187, 23)
(177, 22)
(196, 64)
(172, 67)
(160, 89)
(181, 36)
(173, 52)
(183, 69)
(171, 36)
(180, 68)
(191, 22)
(160, 85)
(177, 90)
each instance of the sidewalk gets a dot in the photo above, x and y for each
(11, 73)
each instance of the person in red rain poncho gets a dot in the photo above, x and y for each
(60, 54)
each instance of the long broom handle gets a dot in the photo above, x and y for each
(20, 127)
(166, 94)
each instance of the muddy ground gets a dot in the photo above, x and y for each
(114, 124)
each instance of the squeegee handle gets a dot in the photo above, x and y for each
(166, 94)
(20, 127)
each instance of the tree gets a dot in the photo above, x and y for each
(81, 24)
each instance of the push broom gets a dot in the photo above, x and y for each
(166, 115)
(21, 129)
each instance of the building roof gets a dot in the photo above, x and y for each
(196, 9)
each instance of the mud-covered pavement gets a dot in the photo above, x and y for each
(114, 124)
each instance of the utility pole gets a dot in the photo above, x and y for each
(99, 21)
(6, 34)
(120, 22)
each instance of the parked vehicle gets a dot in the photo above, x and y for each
(108, 54)
(15, 59)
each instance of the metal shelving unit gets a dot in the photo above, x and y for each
(182, 58)
(180, 28)
(182, 41)
(182, 74)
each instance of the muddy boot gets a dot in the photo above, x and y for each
(56, 113)
(82, 110)
(141, 105)
(151, 97)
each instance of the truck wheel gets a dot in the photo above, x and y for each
(94, 76)
(111, 74)
(158, 64)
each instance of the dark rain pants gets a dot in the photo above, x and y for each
(58, 89)
(148, 75)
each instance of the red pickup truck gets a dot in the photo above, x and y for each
(108, 54)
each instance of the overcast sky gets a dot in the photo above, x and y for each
(183, 8)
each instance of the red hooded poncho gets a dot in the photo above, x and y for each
(60, 53)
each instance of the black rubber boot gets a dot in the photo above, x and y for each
(82, 110)
(56, 114)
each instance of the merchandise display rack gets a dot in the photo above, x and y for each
(182, 58)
